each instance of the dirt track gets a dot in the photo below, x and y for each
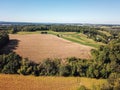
(38, 47)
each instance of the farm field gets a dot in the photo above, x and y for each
(77, 38)
(38, 47)
(72, 36)
(19, 82)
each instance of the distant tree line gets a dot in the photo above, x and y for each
(91, 32)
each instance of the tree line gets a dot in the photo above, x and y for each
(14, 64)
(91, 32)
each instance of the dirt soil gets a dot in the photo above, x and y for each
(38, 47)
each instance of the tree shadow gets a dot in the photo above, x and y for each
(10, 47)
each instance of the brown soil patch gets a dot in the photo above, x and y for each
(38, 47)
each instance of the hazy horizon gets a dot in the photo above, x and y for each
(61, 11)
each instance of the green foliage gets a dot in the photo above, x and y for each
(113, 82)
(10, 63)
(94, 33)
(49, 67)
(94, 53)
(26, 67)
(4, 38)
(65, 70)
(14, 64)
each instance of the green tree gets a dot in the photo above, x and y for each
(65, 70)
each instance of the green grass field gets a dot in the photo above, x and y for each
(78, 38)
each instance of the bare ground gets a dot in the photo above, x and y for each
(38, 47)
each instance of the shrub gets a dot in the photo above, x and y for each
(65, 70)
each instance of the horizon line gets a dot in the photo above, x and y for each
(61, 22)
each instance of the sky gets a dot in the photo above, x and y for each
(61, 11)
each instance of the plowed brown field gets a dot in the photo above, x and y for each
(38, 47)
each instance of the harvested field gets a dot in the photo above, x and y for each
(38, 47)
(19, 82)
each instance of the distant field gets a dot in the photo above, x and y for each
(72, 36)
(78, 38)
(24, 33)
(38, 47)
(18, 82)
(105, 32)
